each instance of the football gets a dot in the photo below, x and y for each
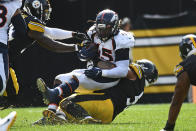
(92, 46)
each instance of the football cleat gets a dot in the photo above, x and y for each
(90, 120)
(50, 118)
(8, 121)
(53, 118)
(49, 95)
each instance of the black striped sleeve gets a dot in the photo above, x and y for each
(122, 54)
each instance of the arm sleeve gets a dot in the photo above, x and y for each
(121, 70)
(57, 34)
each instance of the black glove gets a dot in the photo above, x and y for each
(86, 54)
(93, 73)
(80, 36)
(168, 127)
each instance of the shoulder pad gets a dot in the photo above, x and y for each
(124, 40)
(178, 70)
(35, 24)
(91, 31)
(137, 69)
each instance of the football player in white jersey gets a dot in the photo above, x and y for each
(9, 12)
(113, 45)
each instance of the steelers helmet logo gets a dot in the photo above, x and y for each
(36, 4)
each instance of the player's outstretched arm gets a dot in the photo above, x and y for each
(50, 44)
(60, 34)
(180, 93)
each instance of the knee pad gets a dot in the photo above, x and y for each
(63, 77)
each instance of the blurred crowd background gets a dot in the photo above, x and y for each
(157, 25)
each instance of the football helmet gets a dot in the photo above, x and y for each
(149, 69)
(38, 8)
(187, 44)
(107, 24)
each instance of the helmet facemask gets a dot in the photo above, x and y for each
(107, 24)
(104, 31)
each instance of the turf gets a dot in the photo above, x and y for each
(135, 118)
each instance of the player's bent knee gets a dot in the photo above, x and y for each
(63, 77)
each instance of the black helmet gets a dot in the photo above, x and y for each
(187, 44)
(38, 8)
(107, 24)
(149, 69)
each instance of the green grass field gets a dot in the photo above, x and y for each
(136, 118)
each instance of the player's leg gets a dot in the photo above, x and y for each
(53, 96)
(8, 121)
(87, 83)
(88, 108)
(3, 72)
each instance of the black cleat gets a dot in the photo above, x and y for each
(49, 95)
(50, 118)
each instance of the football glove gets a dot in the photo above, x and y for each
(80, 36)
(86, 54)
(168, 127)
(93, 73)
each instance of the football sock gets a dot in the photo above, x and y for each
(53, 107)
(66, 89)
(62, 91)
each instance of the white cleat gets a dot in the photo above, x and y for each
(8, 121)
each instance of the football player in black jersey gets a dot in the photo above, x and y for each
(102, 106)
(186, 76)
(36, 13)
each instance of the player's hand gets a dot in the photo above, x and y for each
(93, 73)
(168, 127)
(80, 36)
(86, 54)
